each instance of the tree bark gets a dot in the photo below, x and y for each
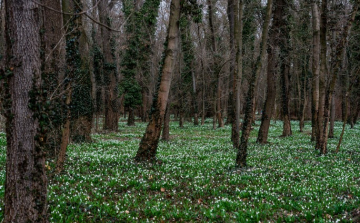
(274, 35)
(303, 96)
(339, 54)
(315, 70)
(237, 75)
(166, 130)
(25, 183)
(285, 70)
(216, 70)
(246, 128)
(65, 134)
(332, 118)
(111, 94)
(150, 140)
(53, 72)
(231, 9)
(323, 73)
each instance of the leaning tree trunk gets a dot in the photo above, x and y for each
(150, 140)
(25, 183)
(246, 128)
(271, 72)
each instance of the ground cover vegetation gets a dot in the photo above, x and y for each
(194, 178)
(71, 69)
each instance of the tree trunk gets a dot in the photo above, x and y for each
(150, 140)
(246, 128)
(25, 183)
(315, 70)
(194, 100)
(332, 118)
(216, 70)
(144, 107)
(285, 70)
(166, 129)
(131, 117)
(322, 76)
(231, 9)
(274, 35)
(303, 96)
(53, 72)
(111, 94)
(237, 75)
(65, 134)
(339, 54)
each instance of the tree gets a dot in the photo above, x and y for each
(238, 70)
(215, 68)
(25, 186)
(77, 81)
(140, 30)
(249, 106)
(53, 57)
(150, 140)
(274, 37)
(284, 44)
(315, 70)
(337, 66)
(109, 70)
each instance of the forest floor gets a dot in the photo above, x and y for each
(195, 179)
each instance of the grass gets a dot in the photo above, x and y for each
(286, 180)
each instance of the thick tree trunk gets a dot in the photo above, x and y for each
(150, 140)
(274, 35)
(25, 183)
(285, 70)
(323, 73)
(246, 128)
(82, 100)
(315, 70)
(166, 130)
(53, 71)
(111, 97)
(65, 134)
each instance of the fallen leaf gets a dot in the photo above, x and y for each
(200, 201)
